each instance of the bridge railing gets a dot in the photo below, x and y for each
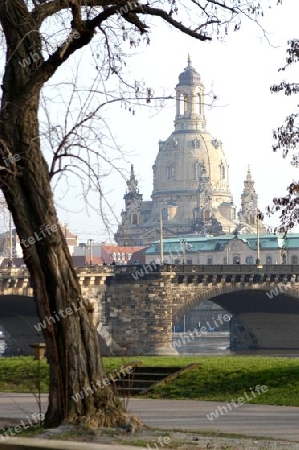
(232, 268)
(95, 269)
(20, 271)
(14, 271)
(176, 268)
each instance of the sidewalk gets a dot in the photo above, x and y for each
(252, 420)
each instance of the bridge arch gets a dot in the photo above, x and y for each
(18, 315)
(192, 298)
(17, 319)
(263, 316)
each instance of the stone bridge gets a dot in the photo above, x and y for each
(136, 306)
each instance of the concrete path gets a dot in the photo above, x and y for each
(252, 420)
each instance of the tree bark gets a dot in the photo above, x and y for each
(72, 341)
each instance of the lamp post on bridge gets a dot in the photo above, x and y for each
(161, 237)
(258, 259)
(258, 240)
(253, 209)
(227, 254)
(10, 261)
(163, 205)
(184, 243)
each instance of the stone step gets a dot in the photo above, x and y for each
(146, 376)
(142, 384)
(142, 378)
(158, 369)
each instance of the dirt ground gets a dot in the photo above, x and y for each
(149, 439)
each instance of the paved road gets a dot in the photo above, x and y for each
(253, 420)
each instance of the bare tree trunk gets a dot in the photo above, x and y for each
(72, 342)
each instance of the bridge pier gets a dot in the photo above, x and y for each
(138, 313)
(160, 321)
(239, 337)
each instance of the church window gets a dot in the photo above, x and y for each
(249, 260)
(170, 172)
(268, 259)
(196, 143)
(195, 171)
(185, 103)
(181, 105)
(154, 171)
(294, 259)
(222, 172)
(250, 219)
(210, 260)
(206, 215)
(237, 259)
(199, 171)
(134, 219)
(164, 214)
(198, 101)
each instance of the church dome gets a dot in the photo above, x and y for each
(184, 159)
(191, 155)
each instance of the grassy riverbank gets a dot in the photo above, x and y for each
(218, 378)
(227, 378)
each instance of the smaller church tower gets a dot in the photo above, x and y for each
(249, 201)
(132, 198)
(133, 201)
(131, 216)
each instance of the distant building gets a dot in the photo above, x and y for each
(71, 238)
(17, 252)
(121, 254)
(138, 257)
(227, 249)
(191, 193)
(103, 253)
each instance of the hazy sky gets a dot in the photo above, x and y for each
(239, 71)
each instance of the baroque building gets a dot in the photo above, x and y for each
(226, 249)
(191, 192)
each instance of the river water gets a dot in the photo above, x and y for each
(218, 344)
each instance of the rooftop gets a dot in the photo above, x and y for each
(218, 243)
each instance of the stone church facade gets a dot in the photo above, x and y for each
(191, 194)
